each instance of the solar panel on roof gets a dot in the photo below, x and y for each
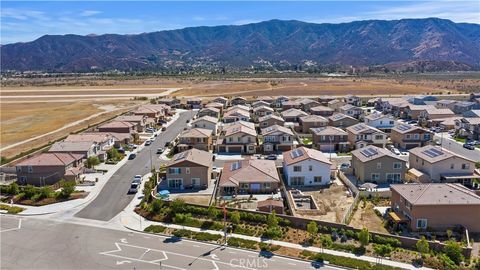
(432, 152)
(368, 152)
(296, 153)
(235, 166)
(180, 156)
(359, 127)
(403, 127)
(436, 151)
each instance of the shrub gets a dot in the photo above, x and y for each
(29, 191)
(235, 217)
(273, 233)
(364, 237)
(386, 240)
(11, 209)
(178, 206)
(272, 220)
(155, 229)
(92, 161)
(454, 251)
(68, 187)
(312, 228)
(243, 243)
(203, 236)
(182, 233)
(382, 250)
(422, 246)
(156, 206)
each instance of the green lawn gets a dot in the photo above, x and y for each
(458, 139)
(306, 140)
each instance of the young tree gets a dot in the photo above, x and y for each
(92, 162)
(364, 237)
(68, 187)
(422, 246)
(272, 220)
(454, 251)
(312, 229)
(235, 217)
(213, 212)
(156, 206)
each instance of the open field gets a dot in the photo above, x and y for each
(39, 123)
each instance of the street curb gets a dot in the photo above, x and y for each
(232, 247)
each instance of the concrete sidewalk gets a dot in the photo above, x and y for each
(132, 221)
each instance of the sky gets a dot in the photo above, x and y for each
(23, 21)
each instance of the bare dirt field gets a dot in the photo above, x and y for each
(364, 216)
(29, 121)
(316, 87)
(332, 202)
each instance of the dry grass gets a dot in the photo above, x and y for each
(201, 200)
(22, 121)
(332, 203)
(366, 217)
(316, 87)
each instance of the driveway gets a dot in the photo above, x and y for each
(114, 198)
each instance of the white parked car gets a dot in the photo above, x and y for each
(396, 151)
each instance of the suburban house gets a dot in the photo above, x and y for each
(436, 207)
(415, 111)
(291, 104)
(209, 111)
(471, 113)
(215, 105)
(380, 121)
(341, 120)
(154, 111)
(238, 101)
(191, 169)
(206, 122)
(280, 100)
(377, 165)
(446, 104)
(322, 111)
(293, 115)
(105, 141)
(238, 137)
(330, 139)
(325, 99)
(87, 149)
(336, 104)
(172, 102)
(361, 135)
(222, 100)
(235, 115)
(262, 111)
(259, 103)
(444, 123)
(351, 110)
(140, 121)
(468, 127)
(312, 121)
(464, 106)
(194, 103)
(353, 100)
(253, 176)
(434, 113)
(276, 139)
(49, 168)
(306, 167)
(441, 165)
(406, 136)
(198, 138)
(307, 104)
(118, 127)
(270, 120)
(267, 99)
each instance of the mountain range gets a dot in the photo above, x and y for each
(268, 44)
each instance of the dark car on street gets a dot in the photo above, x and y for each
(468, 146)
(132, 156)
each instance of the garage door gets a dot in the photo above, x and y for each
(235, 149)
(327, 147)
(410, 146)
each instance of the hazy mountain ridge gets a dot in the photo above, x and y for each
(289, 43)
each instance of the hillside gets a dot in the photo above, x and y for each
(280, 44)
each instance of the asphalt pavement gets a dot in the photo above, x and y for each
(33, 243)
(113, 198)
(457, 147)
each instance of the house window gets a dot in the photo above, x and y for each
(465, 166)
(397, 165)
(249, 139)
(375, 176)
(187, 170)
(244, 186)
(452, 166)
(317, 179)
(23, 179)
(378, 137)
(19, 169)
(230, 139)
(297, 181)
(297, 168)
(421, 223)
(407, 136)
(310, 168)
(426, 136)
(266, 185)
(239, 139)
(379, 165)
(393, 177)
(416, 136)
(174, 170)
(30, 169)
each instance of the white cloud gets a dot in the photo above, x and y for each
(245, 21)
(88, 13)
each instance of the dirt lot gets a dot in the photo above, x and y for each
(364, 216)
(24, 121)
(314, 87)
(202, 200)
(332, 202)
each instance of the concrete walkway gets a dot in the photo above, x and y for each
(133, 221)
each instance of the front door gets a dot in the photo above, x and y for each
(195, 182)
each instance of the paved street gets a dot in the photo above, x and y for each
(113, 198)
(34, 243)
(457, 148)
